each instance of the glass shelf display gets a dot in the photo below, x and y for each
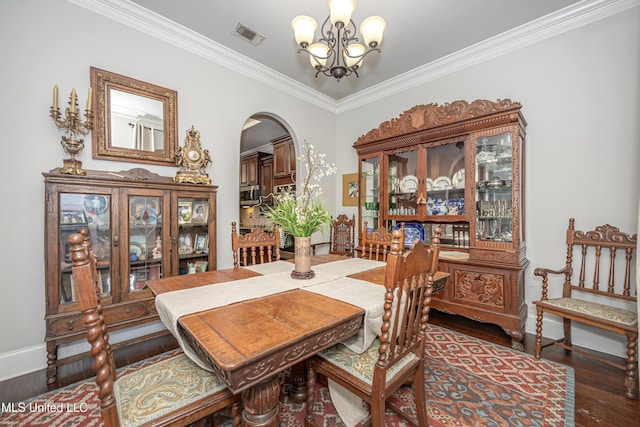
(370, 191)
(403, 184)
(85, 210)
(145, 241)
(445, 180)
(493, 188)
(193, 232)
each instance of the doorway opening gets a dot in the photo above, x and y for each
(267, 166)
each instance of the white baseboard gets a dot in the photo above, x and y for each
(26, 360)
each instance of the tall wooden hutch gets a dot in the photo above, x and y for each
(460, 167)
(142, 226)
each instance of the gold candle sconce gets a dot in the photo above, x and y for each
(72, 125)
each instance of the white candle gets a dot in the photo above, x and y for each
(55, 98)
(89, 99)
(73, 100)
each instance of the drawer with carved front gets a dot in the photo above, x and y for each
(129, 311)
(486, 288)
(65, 325)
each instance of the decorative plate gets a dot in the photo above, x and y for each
(412, 231)
(96, 205)
(429, 184)
(409, 184)
(442, 183)
(458, 179)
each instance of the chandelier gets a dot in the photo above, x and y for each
(336, 53)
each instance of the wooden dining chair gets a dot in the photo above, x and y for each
(166, 391)
(256, 247)
(585, 299)
(397, 356)
(376, 244)
(341, 236)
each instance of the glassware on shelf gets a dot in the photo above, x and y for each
(493, 226)
(480, 228)
(504, 146)
(485, 154)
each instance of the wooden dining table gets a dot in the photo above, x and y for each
(249, 342)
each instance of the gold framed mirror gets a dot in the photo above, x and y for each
(135, 121)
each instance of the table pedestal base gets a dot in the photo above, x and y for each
(261, 404)
(298, 389)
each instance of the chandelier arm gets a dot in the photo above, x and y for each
(361, 58)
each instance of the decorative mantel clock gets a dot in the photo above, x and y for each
(192, 159)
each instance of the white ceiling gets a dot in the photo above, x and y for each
(419, 35)
(418, 31)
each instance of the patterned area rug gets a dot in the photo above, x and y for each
(469, 382)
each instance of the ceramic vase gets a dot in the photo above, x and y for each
(302, 258)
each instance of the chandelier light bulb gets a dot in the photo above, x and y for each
(353, 55)
(372, 29)
(304, 28)
(320, 53)
(340, 11)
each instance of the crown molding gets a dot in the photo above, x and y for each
(567, 19)
(155, 25)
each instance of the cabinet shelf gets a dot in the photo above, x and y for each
(445, 190)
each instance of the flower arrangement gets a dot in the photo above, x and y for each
(304, 214)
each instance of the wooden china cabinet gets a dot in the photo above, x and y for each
(460, 167)
(142, 226)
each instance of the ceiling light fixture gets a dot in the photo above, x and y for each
(336, 54)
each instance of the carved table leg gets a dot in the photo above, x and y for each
(298, 390)
(261, 404)
(52, 358)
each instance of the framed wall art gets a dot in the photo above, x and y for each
(350, 193)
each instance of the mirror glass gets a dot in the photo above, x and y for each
(135, 121)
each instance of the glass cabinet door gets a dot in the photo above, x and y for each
(370, 192)
(193, 235)
(493, 189)
(445, 180)
(402, 184)
(92, 211)
(145, 252)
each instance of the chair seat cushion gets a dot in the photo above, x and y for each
(361, 365)
(161, 388)
(601, 311)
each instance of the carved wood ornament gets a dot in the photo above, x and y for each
(432, 120)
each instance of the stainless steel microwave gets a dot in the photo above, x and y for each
(249, 195)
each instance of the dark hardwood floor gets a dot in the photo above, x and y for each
(599, 401)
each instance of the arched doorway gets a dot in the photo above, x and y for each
(267, 164)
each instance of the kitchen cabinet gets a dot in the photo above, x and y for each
(459, 167)
(142, 226)
(284, 157)
(249, 169)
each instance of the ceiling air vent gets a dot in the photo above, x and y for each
(248, 34)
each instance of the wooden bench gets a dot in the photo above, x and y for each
(585, 299)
